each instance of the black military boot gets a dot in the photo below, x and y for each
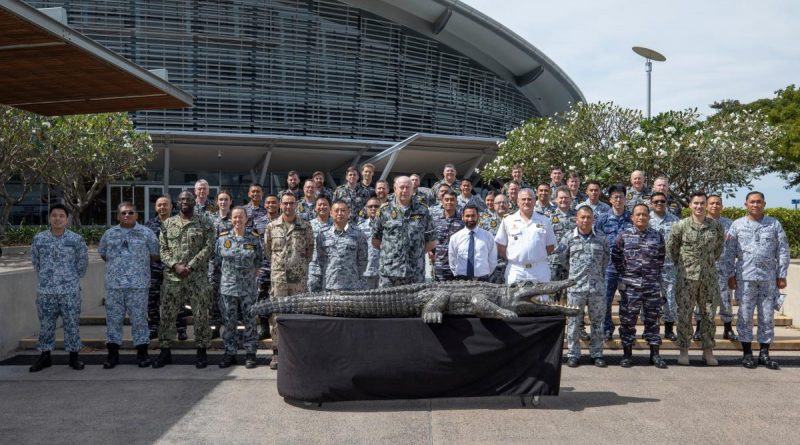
(182, 335)
(113, 356)
(74, 363)
(250, 360)
(164, 358)
(141, 356)
(655, 358)
(763, 358)
(202, 359)
(627, 357)
(42, 362)
(728, 333)
(668, 332)
(747, 359)
(697, 336)
(227, 361)
(273, 364)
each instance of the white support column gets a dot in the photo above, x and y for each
(389, 165)
(473, 166)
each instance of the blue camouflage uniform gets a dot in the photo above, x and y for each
(638, 257)
(253, 213)
(305, 210)
(355, 197)
(127, 254)
(546, 210)
(633, 197)
(474, 199)
(490, 222)
(259, 225)
(314, 281)
(726, 295)
(598, 209)
(674, 206)
(444, 227)
(373, 257)
(403, 234)
(324, 191)
(154, 293)
(437, 211)
(221, 225)
(578, 199)
(238, 258)
(60, 262)
(611, 225)
(585, 258)
(668, 273)
(757, 254)
(342, 256)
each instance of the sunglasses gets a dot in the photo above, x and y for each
(372, 207)
(659, 201)
(127, 213)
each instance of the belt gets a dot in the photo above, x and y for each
(464, 278)
(527, 265)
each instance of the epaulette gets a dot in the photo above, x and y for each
(254, 233)
(224, 233)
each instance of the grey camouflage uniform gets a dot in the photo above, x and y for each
(491, 222)
(598, 209)
(668, 274)
(757, 254)
(403, 235)
(373, 257)
(314, 281)
(342, 256)
(60, 262)
(191, 243)
(306, 210)
(127, 253)
(221, 225)
(462, 202)
(586, 258)
(444, 228)
(238, 259)
(547, 210)
(563, 223)
(633, 197)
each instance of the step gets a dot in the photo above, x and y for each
(780, 320)
(93, 337)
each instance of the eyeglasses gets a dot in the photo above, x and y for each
(659, 201)
(129, 212)
(616, 198)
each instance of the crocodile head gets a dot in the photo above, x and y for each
(519, 298)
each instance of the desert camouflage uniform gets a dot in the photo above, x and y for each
(191, 243)
(60, 262)
(695, 249)
(638, 257)
(290, 246)
(403, 235)
(342, 256)
(238, 259)
(585, 258)
(127, 253)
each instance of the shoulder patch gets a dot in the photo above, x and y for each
(227, 244)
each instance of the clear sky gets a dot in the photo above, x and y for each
(715, 50)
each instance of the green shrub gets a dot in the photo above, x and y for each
(23, 235)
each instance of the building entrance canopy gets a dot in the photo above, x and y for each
(48, 68)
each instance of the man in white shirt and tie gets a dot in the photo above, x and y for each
(472, 252)
(525, 238)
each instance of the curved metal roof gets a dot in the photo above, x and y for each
(485, 41)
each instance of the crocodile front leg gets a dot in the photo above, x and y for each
(486, 309)
(432, 311)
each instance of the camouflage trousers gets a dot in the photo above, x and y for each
(264, 285)
(49, 307)
(384, 281)
(215, 310)
(232, 308)
(725, 303)
(134, 301)
(633, 300)
(557, 273)
(703, 294)
(597, 311)
(668, 278)
(314, 283)
(282, 289)
(371, 282)
(154, 305)
(756, 295)
(611, 282)
(196, 293)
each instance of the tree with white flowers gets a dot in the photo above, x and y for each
(605, 142)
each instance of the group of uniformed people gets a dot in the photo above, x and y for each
(219, 261)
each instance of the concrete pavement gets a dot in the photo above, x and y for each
(180, 404)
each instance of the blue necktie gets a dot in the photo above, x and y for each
(471, 256)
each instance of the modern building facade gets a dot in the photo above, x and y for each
(320, 85)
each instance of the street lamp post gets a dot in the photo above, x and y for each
(650, 55)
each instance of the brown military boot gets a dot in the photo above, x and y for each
(708, 357)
